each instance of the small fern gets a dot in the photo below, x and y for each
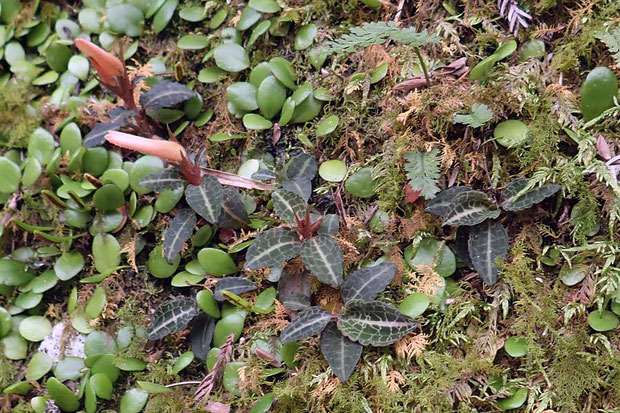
(423, 172)
(612, 41)
(378, 33)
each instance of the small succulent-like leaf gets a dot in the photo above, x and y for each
(171, 317)
(165, 94)
(443, 201)
(178, 232)
(330, 225)
(201, 336)
(233, 215)
(488, 241)
(515, 202)
(374, 323)
(235, 285)
(288, 205)
(341, 353)
(162, 180)
(271, 248)
(302, 166)
(306, 324)
(206, 198)
(300, 185)
(323, 257)
(470, 208)
(365, 283)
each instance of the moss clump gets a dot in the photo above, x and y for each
(17, 118)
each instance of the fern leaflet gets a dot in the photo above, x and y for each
(423, 172)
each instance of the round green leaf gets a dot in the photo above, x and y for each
(35, 328)
(231, 57)
(193, 42)
(574, 275)
(102, 386)
(231, 324)
(64, 398)
(327, 125)
(511, 133)
(158, 266)
(516, 346)
(305, 36)
(6, 322)
(96, 303)
(134, 400)
(32, 171)
(69, 265)
(183, 361)
(515, 401)
(230, 378)
(118, 177)
(15, 347)
(256, 122)
(14, 52)
(432, 253)
(41, 145)
(192, 14)
(361, 183)
(69, 368)
(414, 305)
(265, 6)
(106, 252)
(79, 66)
(270, 96)
(242, 95)
(99, 342)
(259, 73)
(211, 75)
(70, 138)
(39, 365)
(108, 197)
(125, 19)
(603, 320)
(598, 92)
(164, 15)
(46, 78)
(207, 303)
(58, 55)
(11, 176)
(185, 279)
(217, 262)
(333, 171)
(141, 168)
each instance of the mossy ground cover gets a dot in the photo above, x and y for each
(340, 206)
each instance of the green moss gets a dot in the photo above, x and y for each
(17, 118)
(7, 372)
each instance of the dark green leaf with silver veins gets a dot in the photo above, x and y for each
(178, 232)
(488, 241)
(171, 317)
(162, 180)
(206, 198)
(374, 323)
(164, 95)
(470, 208)
(302, 166)
(330, 225)
(341, 353)
(233, 213)
(515, 202)
(365, 283)
(323, 257)
(288, 204)
(443, 201)
(236, 285)
(307, 323)
(271, 248)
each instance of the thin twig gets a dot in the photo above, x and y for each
(428, 79)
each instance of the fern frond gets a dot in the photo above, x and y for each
(423, 172)
(377, 33)
(612, 41)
